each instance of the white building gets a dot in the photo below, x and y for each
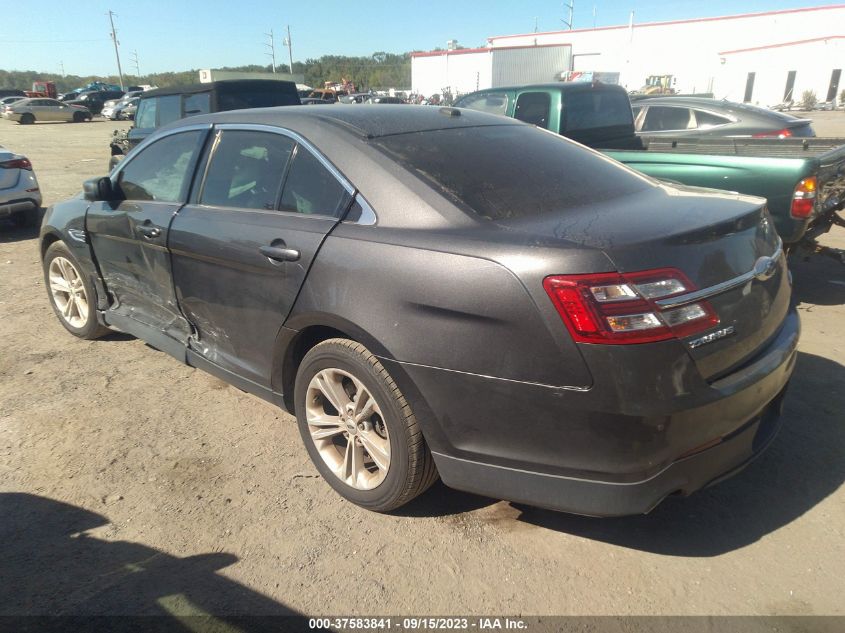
(756, 57)
(467, 69)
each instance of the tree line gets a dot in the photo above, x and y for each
(379, 70)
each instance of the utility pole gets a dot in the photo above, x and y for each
(134, 60)
(272, 47)
(288, 43)
(571, 6)
(116, 43)
(535, 23)
(62, 68)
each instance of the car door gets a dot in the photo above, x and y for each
(129, 238)
(40, 110)
(242, 249)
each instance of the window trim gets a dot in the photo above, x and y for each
(299, 140)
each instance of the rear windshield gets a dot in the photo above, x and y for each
(587, 109)
(510, 171)
(256, 99)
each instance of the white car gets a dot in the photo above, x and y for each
(20, 195)
(28, 111)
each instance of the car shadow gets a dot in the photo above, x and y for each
(10, 231)
(53, 567)
(801, 468)
(817, 279)
(440, 500)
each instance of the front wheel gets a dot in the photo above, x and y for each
(358, 429)
(71, 293)
(78, 117)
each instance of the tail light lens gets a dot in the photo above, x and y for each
(617, 309)
(784, 133)
(804, 198)
(16, 163)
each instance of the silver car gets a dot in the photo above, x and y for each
(28, 111)
(20, 195)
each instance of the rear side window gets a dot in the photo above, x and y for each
(704, 120)
(246, 170)
(533, 108)
(145, 117)
(161, 171)
(588, 109)
(169, 109)
(312, 189)
(510, 171)
(199, 103)
(490, 102)
(660, 118)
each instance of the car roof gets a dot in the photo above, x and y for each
(368, 121)
(243, 84)
(570, 86)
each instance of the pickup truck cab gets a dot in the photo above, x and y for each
(802, 178)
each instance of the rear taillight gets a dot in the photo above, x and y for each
(804, 198)
(784, 133)
(16, 163)
(613, 308)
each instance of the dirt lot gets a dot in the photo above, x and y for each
(194, 497)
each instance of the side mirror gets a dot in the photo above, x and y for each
(99, 190)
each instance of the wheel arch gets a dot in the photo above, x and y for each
(302, 333)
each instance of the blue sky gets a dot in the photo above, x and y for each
(179, 35)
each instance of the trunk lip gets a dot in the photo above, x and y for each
(762, 270)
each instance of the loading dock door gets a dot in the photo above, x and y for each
(749, 87)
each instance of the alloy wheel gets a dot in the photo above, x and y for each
(68, 292)
(347, 426)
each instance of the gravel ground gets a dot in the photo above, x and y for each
(132, 484)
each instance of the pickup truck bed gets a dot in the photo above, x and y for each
(770, 168)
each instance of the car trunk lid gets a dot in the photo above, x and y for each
(721, 242)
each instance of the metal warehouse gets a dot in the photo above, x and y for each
(763, 58)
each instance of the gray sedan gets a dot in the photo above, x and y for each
(28, 111)
(435, 291)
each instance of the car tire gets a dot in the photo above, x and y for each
(375, 455)
(78, 117)
(27, 118)
(71, 293)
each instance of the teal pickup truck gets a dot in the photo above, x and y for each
(802, 178)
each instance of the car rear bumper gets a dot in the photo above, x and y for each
(10, 207)
(603, 498)
(559, 449)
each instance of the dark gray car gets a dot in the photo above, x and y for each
(694, 116)
(435, 291)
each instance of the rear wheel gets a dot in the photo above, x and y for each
(27, 118)
(71, 293)
(359, 431)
